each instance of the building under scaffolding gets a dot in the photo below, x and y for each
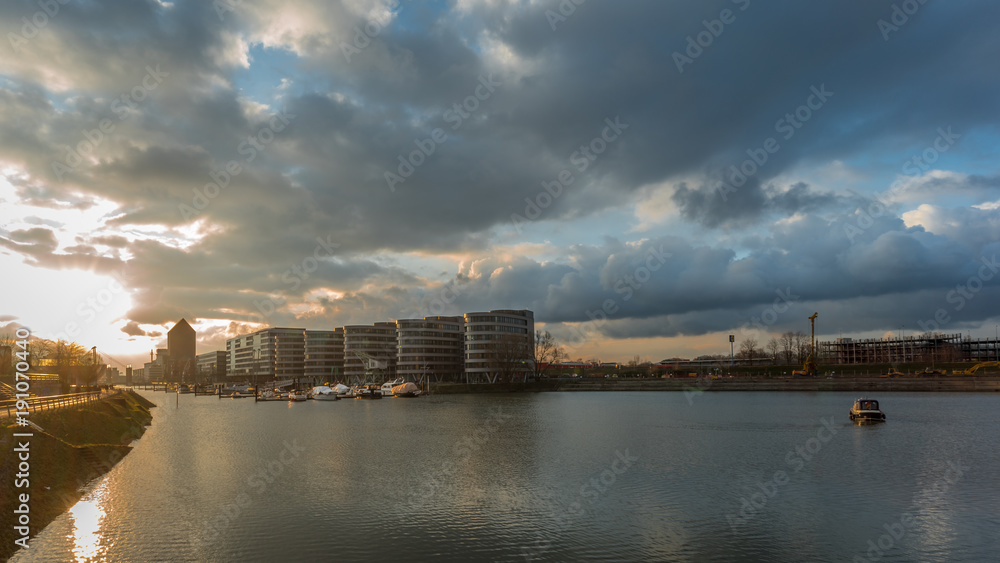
(928, 347)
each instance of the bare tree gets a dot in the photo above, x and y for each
(511, 357)
(788, 350)
(748, 348)
(801, 346)
(545, 352)
(773, 348)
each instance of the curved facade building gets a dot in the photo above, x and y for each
(324, 355)
(378, 341)
(499, 344)
(432, 346)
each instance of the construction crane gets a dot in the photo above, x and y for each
(372, 366)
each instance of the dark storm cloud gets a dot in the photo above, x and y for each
(323, 176)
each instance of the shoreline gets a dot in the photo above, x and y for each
(945, 384)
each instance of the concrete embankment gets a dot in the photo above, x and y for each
(947, 383)
(853, 384)
(74, 446)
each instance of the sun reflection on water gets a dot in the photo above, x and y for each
(87, 516)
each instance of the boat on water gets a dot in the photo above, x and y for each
(296, 395)
(388, 386)
(343, 391)
(371, 391)
(409, 389)
(323, 393)
(866, 410)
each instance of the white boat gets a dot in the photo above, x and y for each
(388, 386)
(323, 393)
(296, 395)
(406, 390)
(343, 391)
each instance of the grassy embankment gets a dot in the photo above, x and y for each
(75, 446)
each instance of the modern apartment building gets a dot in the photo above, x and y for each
(377, 341)
(211, 366)
(487, 346)
(432, 346)
(324, 360)
(272, 353)
(499, 344)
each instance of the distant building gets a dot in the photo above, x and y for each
(272, 353)
(181, 354)
(211, 366)
(928, 347)
(155, 369)
(377, 342)
(324, 350)
(432, 346)
(498, 345)
(489, 346)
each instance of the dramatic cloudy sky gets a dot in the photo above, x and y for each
(240, 164)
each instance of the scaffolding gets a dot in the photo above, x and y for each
(936, 347)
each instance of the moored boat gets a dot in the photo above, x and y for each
(372, 391)
(866, 410)
(323, 393)
(408, 389)
(388, 386)
(296, 395)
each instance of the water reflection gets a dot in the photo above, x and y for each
(87, 516)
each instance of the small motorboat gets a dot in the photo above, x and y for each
(388, 386)
(372, 391)
(296, 395)
(866, 410)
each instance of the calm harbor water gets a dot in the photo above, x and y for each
(548, 477)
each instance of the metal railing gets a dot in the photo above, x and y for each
(10, 408)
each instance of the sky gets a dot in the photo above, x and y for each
(648, 177)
